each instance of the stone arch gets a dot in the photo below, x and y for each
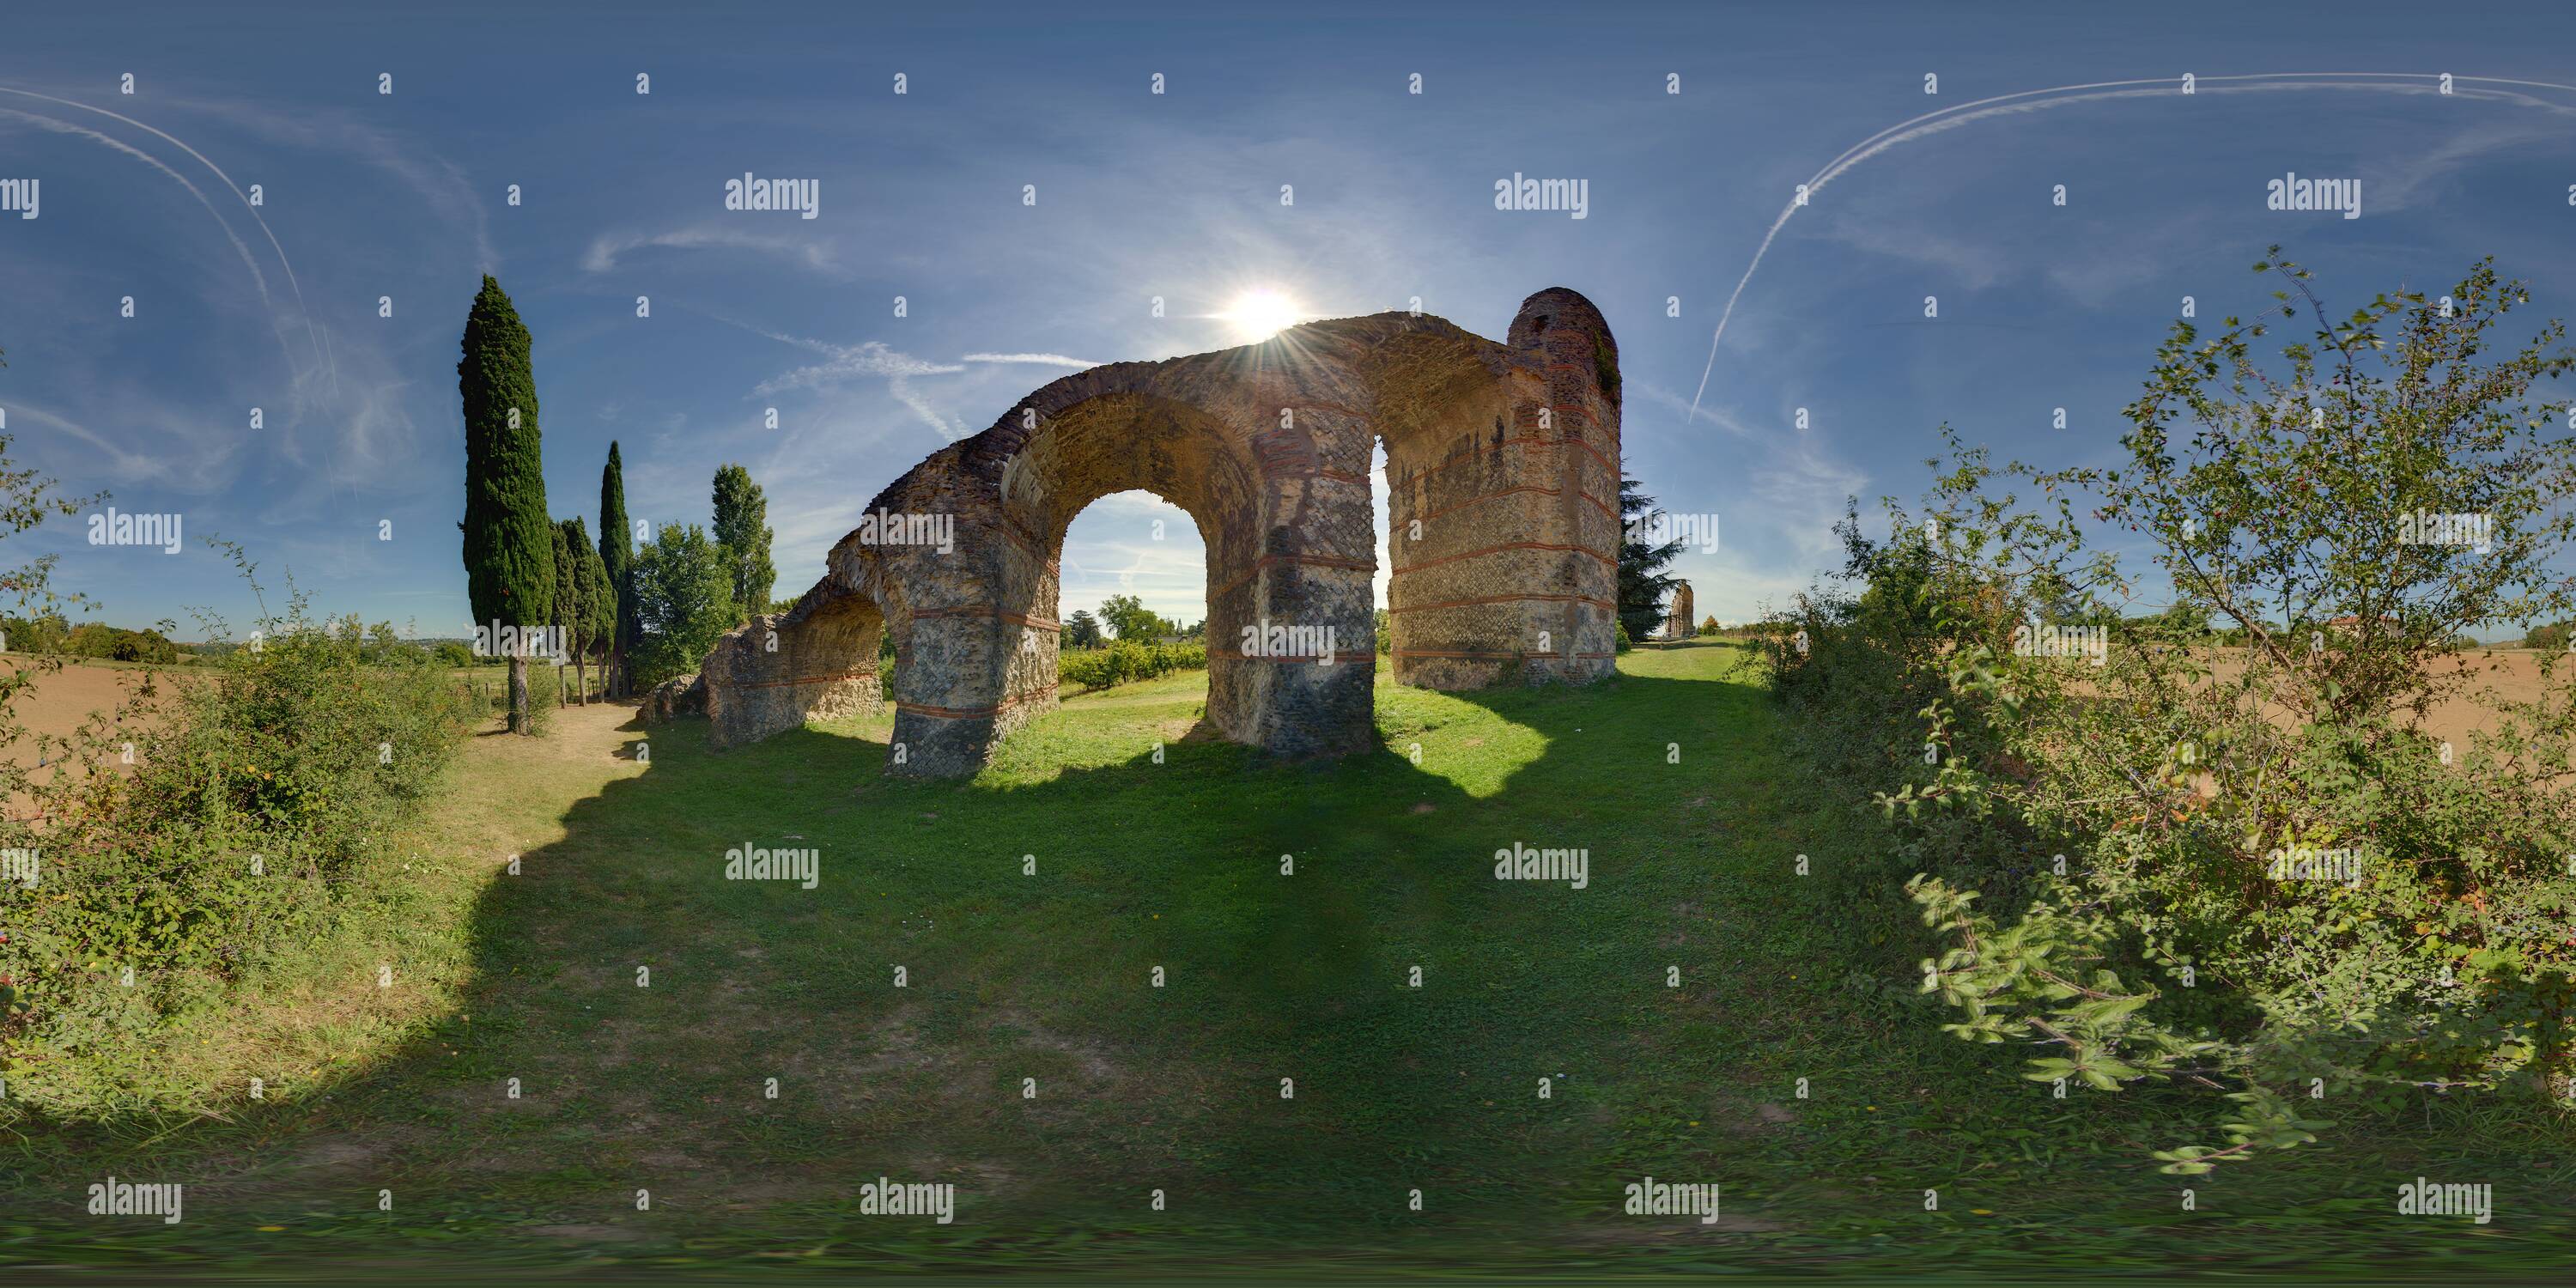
(1503, 475)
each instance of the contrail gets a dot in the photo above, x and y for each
(320, 358)
(59, 126)
(2037, 99)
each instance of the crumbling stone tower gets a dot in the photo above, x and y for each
(1503, 481)
(1680, 625)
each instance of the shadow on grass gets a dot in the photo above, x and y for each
(1160, 1001)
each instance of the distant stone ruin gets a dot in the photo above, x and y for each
(1678, 626)
(1502, 469)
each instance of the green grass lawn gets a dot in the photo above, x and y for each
(1675, 778)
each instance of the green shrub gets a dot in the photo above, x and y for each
(257, 784)
(2250, 872)
(1122, 660)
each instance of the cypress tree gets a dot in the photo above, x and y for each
(617, 555)
(509, 541)
(599, 604)
(580, 597)
(742, 518)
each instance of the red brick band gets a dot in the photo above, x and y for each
(976, 713)
(1270, 561)
(1490, 657)
(1509, 545)
(1510, 599)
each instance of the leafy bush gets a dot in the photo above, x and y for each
(1123, 660)
(256, 784)
(2247, 870)
(684, 601)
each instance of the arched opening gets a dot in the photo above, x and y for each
(1132, 546)
(1129, 443)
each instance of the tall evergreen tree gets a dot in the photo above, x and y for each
(567, 608)
(742, 518)
(601, 612)
(1642, 581)
(509, 541)
(582, 608)
(617, 555)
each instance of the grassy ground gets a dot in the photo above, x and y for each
(390, 1139)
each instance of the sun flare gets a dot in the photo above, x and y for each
(1261, 314)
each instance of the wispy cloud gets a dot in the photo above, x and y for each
(1039, 359)
(442, 184)
(1666, 398)
(869, 360)
(608, 247)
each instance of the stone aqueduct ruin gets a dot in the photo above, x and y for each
(1502, 468)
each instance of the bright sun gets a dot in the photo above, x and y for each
(1259, 315)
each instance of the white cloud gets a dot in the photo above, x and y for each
(607, 247)
(1040, 359)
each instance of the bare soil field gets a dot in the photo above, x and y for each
(62, 701)
(2512, 675)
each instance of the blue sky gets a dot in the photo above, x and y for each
(406, 195)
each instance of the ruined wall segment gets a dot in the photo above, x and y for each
(1505, 513)
(1502, 464)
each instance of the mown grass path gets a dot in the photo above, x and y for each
(1670, 1008)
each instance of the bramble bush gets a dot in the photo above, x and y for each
(2202, 847)
(200, 832)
